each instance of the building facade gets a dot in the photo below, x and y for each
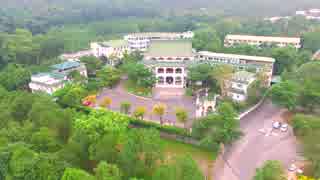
(239, 85)
(259, 41)
(47, 82)
(142, 41)
(168, 59)
(254, 64)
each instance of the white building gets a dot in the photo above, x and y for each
(141, 41)
(239, 62)
(239, 85)
(231, 40)
(169, 59)
(76, 55)
(109, 49)
(47, 82)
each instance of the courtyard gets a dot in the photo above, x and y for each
(172, 97)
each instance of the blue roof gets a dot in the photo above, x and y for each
(66, 65)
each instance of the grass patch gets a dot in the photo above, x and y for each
(204, 158)
(131, 87)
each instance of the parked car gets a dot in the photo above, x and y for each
(284, 127)
(276, 125)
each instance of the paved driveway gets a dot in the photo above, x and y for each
(172, 98)
(258, 145)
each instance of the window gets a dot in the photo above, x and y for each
(178, 70)
(169, 70)
(178, 81)
(160, 70)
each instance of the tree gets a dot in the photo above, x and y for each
(159, 110)
(286, 59)
(182, 116)
(206, 40)
(182, 167)
(140, 75)
(105, 171)
(311, 40)
(106, 102)
(285, 94)
(141, 153)
(271, 170)
(93, 64)
(45, 141)
(108, 76)
(14, 77)
(125, 107)
(76, 174)
(139, 112)
(71, 95)
(222, 73)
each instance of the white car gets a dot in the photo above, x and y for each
(276, 125)
(284, 127)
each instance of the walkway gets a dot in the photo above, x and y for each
(258, 145)
(172, 98)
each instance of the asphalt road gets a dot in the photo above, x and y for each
(258, 144)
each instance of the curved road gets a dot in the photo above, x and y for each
(258, 144)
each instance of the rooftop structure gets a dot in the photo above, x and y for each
(237, 56)
(141, 41)
(231, 40)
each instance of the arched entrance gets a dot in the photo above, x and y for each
(169, 80)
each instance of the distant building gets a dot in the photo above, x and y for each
(239, 62)
(169, 60)
(67, 67)
(277, 18)
(110, 49)
(231, 40)
(239, 85)
(47, 82)
(311, 14)
(76, 55)
(141, 41)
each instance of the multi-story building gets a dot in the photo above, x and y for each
(109, 49)
(311, 14)
(239, 84)
(239, 62)
(141, 41)
(259, 41)
(47, 82)
(76, 55)
(68, 66)
(169, 60)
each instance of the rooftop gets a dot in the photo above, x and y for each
(66, 65)
(170, 48)
(114, 43)
(264, 38)
(48, 78)
(316, 56)
(237, 56)
(158, 34)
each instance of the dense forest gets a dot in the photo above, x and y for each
(39, 15)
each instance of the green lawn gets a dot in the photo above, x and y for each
(139, 91)
(204, 158)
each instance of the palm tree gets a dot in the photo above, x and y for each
(105, 102)
(159, 110)
(139, 112)
(182, 116)
(125, 107)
